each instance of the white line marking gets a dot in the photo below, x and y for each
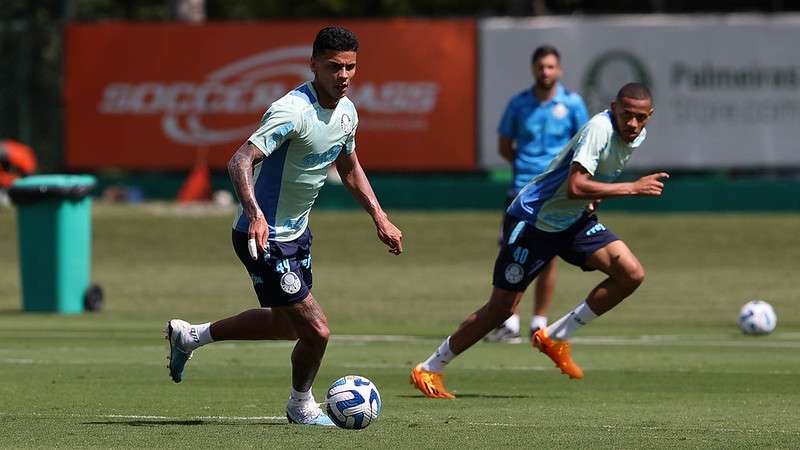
(776, 340)
(143, 417)
(497, 424)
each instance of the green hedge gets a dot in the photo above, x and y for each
(487, 191)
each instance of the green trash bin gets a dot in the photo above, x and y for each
(54, 232)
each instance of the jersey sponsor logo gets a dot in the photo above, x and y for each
(290, 283)
(560, 111)
(316, 159)
(294, 223)
(514, 273)
(246, 87)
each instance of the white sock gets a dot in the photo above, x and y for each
(538, 322)
(301, 396)
(512, 323)
(439, 358)
(563, 328)
(199, 335)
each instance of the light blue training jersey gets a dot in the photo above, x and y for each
(599, 149)
(300, 139)
(540, 130)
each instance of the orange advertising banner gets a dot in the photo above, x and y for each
(151, 96)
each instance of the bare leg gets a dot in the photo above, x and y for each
(545, 286)
(490, 316)
(311, 326)
(625, 274)
(427, 376)
(304, 321)
(254, 325)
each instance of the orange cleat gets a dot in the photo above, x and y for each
(559, 352)
(429, 383)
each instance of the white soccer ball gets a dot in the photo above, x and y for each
(353, 402)
(757, 318)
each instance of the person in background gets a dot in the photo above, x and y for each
(537, 123)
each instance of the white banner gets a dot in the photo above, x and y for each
(726, 88)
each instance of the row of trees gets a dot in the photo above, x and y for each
(90, 10)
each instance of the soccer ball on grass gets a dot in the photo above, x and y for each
(757, 318)
(353, 402)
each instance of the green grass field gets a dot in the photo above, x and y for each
(667, 369)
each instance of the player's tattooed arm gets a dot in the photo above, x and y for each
(240, 170)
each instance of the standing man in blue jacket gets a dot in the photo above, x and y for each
(537, 123)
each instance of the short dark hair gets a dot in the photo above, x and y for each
(637, 91)
(335, 38)
(544, 50)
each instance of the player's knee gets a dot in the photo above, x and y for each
(501, 309)
(321, 333)
(315, 334)
(506, 311)
(634, 276)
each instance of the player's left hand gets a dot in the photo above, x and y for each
(390, 235)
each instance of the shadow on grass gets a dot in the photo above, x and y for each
(509, 396)
(188, 422)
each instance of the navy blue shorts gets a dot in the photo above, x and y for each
(285, 277)
(526, 250)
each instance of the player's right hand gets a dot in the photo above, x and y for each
(390, 235)
(652, 185)
(259, 231)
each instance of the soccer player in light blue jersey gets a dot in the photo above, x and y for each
(537, 123)
(277, 174)
(554, 215)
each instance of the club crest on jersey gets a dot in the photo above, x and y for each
(514, 273)
(347, 124)
(290, 283)
(560, 111)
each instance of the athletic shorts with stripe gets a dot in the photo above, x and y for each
(525, 249)
(283, 278)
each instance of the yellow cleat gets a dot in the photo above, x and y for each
(429, 383)
(559, 352)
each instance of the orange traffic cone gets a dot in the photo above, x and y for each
(16, 160)
(197, 187)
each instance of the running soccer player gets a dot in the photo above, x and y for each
(554, 215)
(537, 123)
(277, 174)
